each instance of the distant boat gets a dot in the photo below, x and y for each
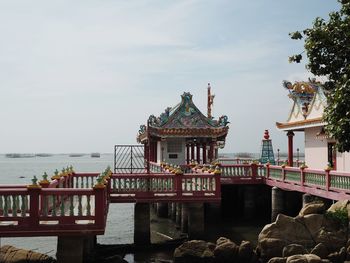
(76, 155)
(95, 155)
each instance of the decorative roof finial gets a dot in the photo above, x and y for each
(266, 135)
(210, 101)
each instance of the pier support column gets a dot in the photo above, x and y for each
(249, 202)
(173, 211)
(184, 218)
(70, 249)
(162, 209)
(142, 233)
(277, 203)
(178, 214)
(307, 198)
(196, 220)
(89, 246)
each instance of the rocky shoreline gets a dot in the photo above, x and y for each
(315, 235)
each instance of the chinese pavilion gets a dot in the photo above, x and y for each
(183, 134)
(306, 115)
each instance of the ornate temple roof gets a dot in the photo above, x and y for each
(184, 120)
(309, 101)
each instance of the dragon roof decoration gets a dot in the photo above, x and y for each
(184, 116)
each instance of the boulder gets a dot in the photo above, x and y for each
(226, 251)
(293, 249)
(277, 260)
(245, 251)
(315, 207)
(306, 231)
(342, 204)
(320, 250)
(196, 251)
(307, 258)
(10, 254)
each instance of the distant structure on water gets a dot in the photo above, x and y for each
(306, 115)
(95, 155)
(183, 134)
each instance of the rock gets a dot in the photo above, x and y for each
(307, 258)
(315, 207)
(196, 251)
(334, 258)
(277, 260)
(11, 254)
(293, 249)
(270, 247)
(296, 259)
(226, 251)
(342, 253)
(306, 231)
(342, 204)
(320, 250)
(245, 251)
(311, 258)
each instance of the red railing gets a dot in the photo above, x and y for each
(164, 187)
(52, 211)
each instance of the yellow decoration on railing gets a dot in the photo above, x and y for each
(217, 170)
(44, 180)
(34, 183)
(56, 175)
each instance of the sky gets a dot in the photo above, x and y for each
(83, 75)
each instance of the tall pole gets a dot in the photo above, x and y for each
(290, 135)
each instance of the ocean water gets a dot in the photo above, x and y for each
(120, 228)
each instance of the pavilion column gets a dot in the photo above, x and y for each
(211, 151)
(290, 135)
(204, 145)
(198, 152)
(192, 152)
(188, 153)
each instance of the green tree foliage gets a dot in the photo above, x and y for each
(327, 46)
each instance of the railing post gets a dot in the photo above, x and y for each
(283, 173)
(328, 178)
(34, 194)
(217, 174)
(268, 170)
(254, 168)
(100, 204)
(178, 184)
(302, 175)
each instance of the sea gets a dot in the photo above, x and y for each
(120, 228)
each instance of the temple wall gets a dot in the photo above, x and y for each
(174, 151)
(343, 161)
(315, 149)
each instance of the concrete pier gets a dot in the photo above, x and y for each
(249, 202)
(162, 210)
(173, 211)
(70, 249)
(178, 214)
(196, 220)
(277, 203)
(184, 218)
(142, 232)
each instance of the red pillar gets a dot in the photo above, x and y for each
(290, 135)
(211, 152)
(192, 152)
(204, 153)
(198, 153)
(188, 153)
